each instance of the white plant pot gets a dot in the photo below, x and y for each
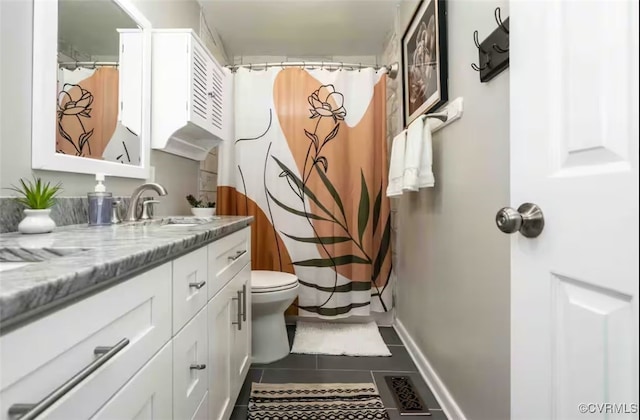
(203, 211)
(37, 221)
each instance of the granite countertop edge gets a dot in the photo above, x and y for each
(119, 253)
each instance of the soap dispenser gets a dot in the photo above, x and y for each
(100, 203)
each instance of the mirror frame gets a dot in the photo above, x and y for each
(44, 85)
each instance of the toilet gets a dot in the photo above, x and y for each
(271, 294)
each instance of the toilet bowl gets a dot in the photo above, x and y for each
(271, 294)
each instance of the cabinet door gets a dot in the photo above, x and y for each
(241, 354)
(146, 396)
(221, 313)
(190, 354)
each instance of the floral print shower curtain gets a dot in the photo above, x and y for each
(309, 162)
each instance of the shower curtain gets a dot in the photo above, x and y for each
(309, 162)
(88, 117)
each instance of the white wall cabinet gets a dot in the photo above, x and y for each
(182, 354)
(190, 95)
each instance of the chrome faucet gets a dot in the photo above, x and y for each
(135, 197)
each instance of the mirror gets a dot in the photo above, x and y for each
(95, 56)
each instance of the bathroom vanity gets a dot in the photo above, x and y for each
(141, 320)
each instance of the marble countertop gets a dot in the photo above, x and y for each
(78, 259)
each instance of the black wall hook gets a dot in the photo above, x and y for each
(496, 14)
(482, 51)
(493, 51)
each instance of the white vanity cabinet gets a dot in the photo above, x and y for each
(153, 346)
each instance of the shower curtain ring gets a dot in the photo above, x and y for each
(250, 66)
(95, 63)
(322, 65)
(282, 65)
(341, 65)
(360, 67)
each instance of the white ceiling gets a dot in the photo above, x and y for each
(301, 28)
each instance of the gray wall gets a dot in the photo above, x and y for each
(178, 175)
(453, 292)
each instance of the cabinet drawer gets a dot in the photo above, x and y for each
(189, 286)
(190, 367)
(146, 396)
(42, 356)
(227, 256)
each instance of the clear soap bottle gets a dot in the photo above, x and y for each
(100, 204)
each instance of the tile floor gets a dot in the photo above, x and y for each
(318, 369)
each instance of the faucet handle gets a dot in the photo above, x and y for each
(145, 209)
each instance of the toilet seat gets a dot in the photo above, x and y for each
(263, 281)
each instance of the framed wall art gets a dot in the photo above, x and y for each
(424, 60)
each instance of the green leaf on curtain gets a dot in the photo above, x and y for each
(329, 262)
(382, 252)
(303, 187)
(319, 240)
(325, 163)
(363, 208)
(296, 212)
(333, 192)
(376, 210)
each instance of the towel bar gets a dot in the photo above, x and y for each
(451, 113)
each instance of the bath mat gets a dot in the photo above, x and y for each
(315, 402)
(339, 339)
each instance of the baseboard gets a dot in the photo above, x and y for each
(440, 391)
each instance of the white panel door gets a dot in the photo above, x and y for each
(221, 314)
(241, 354)
(574, 152)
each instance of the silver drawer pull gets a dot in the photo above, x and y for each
(198, 285)
(238, 255)
(197, 366)
(238, 321)
(31, 411)
(244, 302)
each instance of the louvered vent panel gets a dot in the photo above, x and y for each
(217, 95)
(199, 88)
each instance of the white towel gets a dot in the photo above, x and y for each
(412, 155)
(396, 165)
(425, 176)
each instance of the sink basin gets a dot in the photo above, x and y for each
(12, 258)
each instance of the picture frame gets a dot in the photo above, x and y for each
(424, 60)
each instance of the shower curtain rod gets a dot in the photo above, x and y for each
(90, 63)
(392, 69)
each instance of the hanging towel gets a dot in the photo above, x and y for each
(396, 166)
(412, 155)
(425, 176)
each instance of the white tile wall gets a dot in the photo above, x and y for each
(209, 177)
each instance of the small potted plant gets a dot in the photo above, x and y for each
(201, 209)
(38, 198)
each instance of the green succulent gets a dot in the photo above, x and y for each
(199, 203)
(37, 195)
